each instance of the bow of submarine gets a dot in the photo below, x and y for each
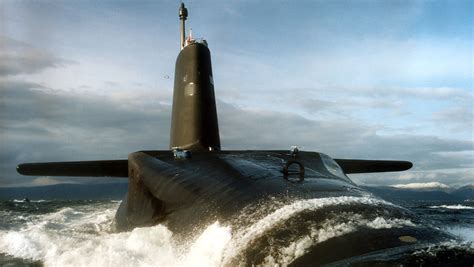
(188, 195)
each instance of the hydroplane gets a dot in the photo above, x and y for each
(284, 205)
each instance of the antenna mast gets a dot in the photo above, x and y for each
(183, 15)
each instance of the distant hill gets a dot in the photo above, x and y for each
(397, 194)
(465, 192)
(66, 191)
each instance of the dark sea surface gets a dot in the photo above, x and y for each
(78, 233)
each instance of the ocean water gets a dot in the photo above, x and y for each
(78, 233)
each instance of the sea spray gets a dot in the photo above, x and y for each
(307, 216)
(465, 232)
(79, 233)
(254, 231)
(74, 237)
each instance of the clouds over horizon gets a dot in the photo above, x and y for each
(38, 124)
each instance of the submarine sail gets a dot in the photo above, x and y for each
(194, 123)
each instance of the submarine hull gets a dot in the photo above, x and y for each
(269, 211)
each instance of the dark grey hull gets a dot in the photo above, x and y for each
(248, 191)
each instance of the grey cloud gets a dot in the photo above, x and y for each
(27, 104)
(41, 125)
(341, 138)
(426, 152)
(316, 105)
(242, 129)
(20, 58)
(454, 179)
(457, 118)
(345, 107)
(348, 139)
(342, 102)
(397, 92)
(38, 124)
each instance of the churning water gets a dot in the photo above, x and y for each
(78, 233)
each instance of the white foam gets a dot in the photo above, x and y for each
(47, 236)
(453, 207)
(330, 229)
(81, 237)
(383, 223)
(327, 231)
(247, 235)
(26, 201)
(207, 249)
(465, 233)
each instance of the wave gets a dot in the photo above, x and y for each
(81, 236)
(342, 224)
(452, 207)
(330, 230)
(29, 201)
(464, 232)
(248, 234)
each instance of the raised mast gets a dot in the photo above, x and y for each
(183, 15)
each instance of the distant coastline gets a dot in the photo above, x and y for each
(118, 190)
(66, 192)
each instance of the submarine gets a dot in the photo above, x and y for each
(287, 207)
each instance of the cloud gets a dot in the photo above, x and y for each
(421, 185)
(451, 177)
(459, 118)
(436, 103)
(32, 106)
(378, 89)
(45, 180)
(42, 124)
(341, 138)
(20, 58)
(371, 63)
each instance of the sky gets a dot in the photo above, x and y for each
(89, 80)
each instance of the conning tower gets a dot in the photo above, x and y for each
(194, 124)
